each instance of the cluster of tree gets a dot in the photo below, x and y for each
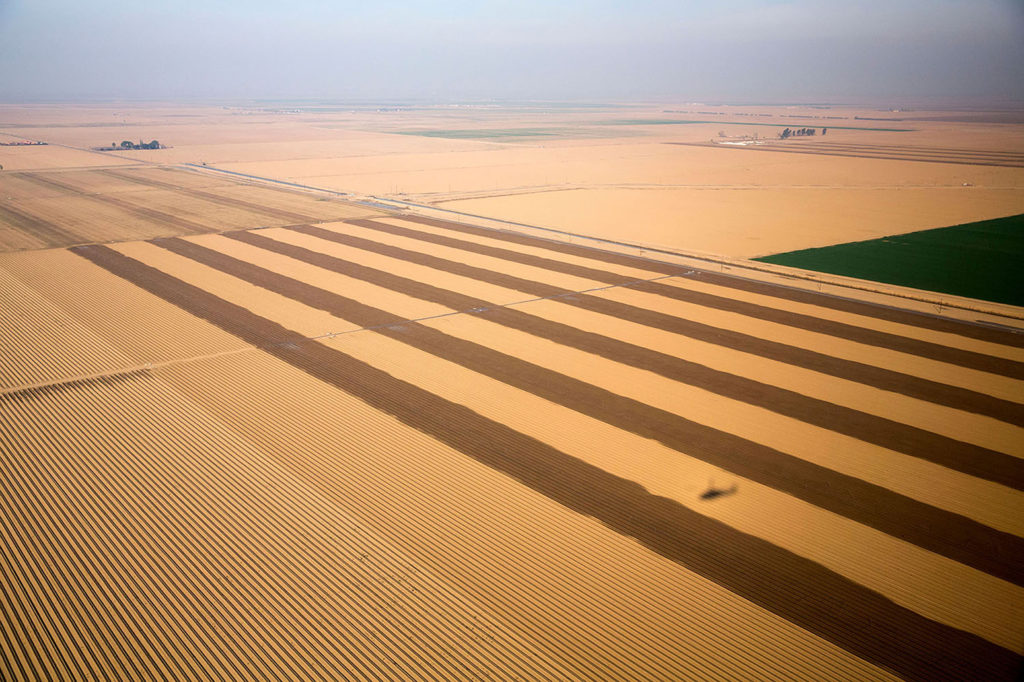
(800, 132)
(128, 144)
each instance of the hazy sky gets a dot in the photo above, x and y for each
(731, 50)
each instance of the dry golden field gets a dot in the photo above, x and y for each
(409, 445)
(34, 157)
(63, 207)
(248, 432)
(600, 170)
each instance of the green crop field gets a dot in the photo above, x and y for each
(983, 260)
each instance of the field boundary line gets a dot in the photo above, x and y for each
(645, 250)
(797, 277)
(141, 369)
(495, 306)
(146, 367)
(756, 570)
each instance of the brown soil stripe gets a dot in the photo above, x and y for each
(152, 215)
(47, 180)
(954, 454)
(504, 254)
(159, 217)
(907, 317)
(820, 601)
(214, 198)
(888, 380)
(45, 231)
(878, 377)
(871, 337)
(539, 289)
(956, 356)
(951, 535)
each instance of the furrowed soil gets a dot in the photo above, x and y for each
(259, 418)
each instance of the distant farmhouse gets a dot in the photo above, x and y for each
(128, 144)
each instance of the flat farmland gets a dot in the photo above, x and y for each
(63, 207)
(391, 443)
(677, 186)
(759, 222)
(249, 429)
(32, 157)
(634, 172)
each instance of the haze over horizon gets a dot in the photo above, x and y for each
(740, 50)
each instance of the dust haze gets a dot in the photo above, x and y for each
(736, 51)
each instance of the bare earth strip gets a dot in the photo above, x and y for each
(44, 231)
(933, 586)
(960, 456)
(178, 224)
(630, 615)
(160, 218)
(976, 429)
(1003, 388)
(288, 216)
(906, 374)
(914, 369)
(938, 338)
(967, 359)
(947, 354)
(960, 538)
(322, 208)
(898, 382)
(954, 424)
(145, 329)
(690, 279)
(912, 646)
(78, 207)
(803, 296)
(266, 195)
(865, 336)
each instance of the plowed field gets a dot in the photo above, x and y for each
(64, 207)
(397, 447)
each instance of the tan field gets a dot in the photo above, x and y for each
(251, 429)
(65, 207)
(596, 171)
(747, 223)
(35, 157)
